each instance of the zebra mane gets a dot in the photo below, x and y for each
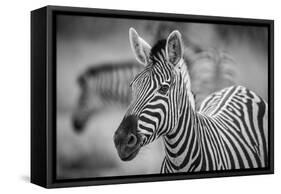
(185, 73)
(158, 47)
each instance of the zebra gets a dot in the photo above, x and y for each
(101, 86)
(229, 131)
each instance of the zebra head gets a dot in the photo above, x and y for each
(157, 94)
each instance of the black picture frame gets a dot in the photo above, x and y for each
(43, 95)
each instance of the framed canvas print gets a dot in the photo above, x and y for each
(125, 96)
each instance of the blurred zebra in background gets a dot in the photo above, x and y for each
(101, 86)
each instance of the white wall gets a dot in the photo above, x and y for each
(15, 94)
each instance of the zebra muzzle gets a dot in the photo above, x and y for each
(126, 139)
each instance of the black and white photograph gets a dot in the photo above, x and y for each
(143, 97)
(129, 97)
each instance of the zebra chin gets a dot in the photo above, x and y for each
(128, 152)
(128, 156)
(126, 139)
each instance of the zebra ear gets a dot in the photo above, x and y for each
(140, 48)
(174, 48)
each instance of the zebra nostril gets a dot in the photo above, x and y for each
(132, 140)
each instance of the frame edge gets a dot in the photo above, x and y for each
(38, 168)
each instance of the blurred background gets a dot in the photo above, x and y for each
(217, 56)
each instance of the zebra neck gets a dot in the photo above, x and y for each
(182, 146)
(185, 83)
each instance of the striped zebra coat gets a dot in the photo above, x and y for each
(228, 132)
(224, 134)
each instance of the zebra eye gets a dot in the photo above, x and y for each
(164, 89)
